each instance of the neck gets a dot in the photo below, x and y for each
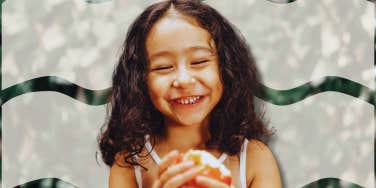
(184, 137)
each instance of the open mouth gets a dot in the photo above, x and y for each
(188, 100)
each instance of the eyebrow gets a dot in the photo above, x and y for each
(205, 48)
(160, 54)
(190, 49)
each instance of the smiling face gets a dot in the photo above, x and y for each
(183, 74)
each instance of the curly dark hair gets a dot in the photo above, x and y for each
(131, 114)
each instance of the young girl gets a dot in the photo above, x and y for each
(185, 80)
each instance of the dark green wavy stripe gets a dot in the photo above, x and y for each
(277, 97)
(329, 83)
(57, 183)
(332, 183)
(47, 183)
(60, 85)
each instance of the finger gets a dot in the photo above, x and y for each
(187, 186)
(174, 170)
(167, 160)
(209, 182)
(156, 184)
(182, 178)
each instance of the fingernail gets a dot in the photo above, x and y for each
(189, 164)
(199, 178)
(174, 152)
(199, 168)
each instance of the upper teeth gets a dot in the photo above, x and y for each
(188, 100)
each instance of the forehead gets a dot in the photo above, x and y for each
(177, 34)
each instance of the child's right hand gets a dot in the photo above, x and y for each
(172, 175)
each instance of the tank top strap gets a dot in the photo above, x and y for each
(153, 154)
(243, 164)
(222, 158)
(137, 173)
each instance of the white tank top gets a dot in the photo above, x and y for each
(157, 160)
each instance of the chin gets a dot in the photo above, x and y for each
(192, 121)
(187, 120)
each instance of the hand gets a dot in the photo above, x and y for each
(210, 182)
(172, 175)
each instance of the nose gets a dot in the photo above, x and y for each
(183, 78)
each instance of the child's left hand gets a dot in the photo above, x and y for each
(210, 182)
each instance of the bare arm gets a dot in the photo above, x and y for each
(262, 168)
(121, 177)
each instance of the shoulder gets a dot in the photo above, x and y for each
(121, 174)
(262, 168)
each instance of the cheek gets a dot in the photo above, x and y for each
(157, 87)
(214, 80)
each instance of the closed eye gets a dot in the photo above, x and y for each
(199, 62)
(162, 68)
